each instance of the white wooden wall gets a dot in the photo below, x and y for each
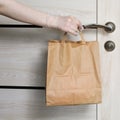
(23, 57)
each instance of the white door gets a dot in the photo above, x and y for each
(109, 10)
(23, 58)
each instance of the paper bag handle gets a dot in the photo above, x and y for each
(64, 38)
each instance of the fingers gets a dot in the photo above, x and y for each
(73, 29)
(78, 23)
(67, 24)
(73, 25)
(73, 32)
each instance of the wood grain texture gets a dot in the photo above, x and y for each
(23, 59)
(23, 52)
(30, 104)
(110, 107)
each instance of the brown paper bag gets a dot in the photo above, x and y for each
(73, 72)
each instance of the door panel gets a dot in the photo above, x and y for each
(23, 52)
(110, 107)
(30, 105)
(23, 58)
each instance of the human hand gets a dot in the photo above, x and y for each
(68, 24)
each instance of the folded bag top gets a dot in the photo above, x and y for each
(73, 72)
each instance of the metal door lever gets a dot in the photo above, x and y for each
(108, 27)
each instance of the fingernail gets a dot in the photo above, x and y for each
(82, 28)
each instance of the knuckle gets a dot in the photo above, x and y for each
(70, 18)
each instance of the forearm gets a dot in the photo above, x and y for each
(23, 13)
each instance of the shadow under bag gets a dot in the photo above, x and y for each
(73, 72)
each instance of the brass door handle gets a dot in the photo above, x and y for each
(109, 27)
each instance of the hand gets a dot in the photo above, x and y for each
(16, 10)
(68, 24)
